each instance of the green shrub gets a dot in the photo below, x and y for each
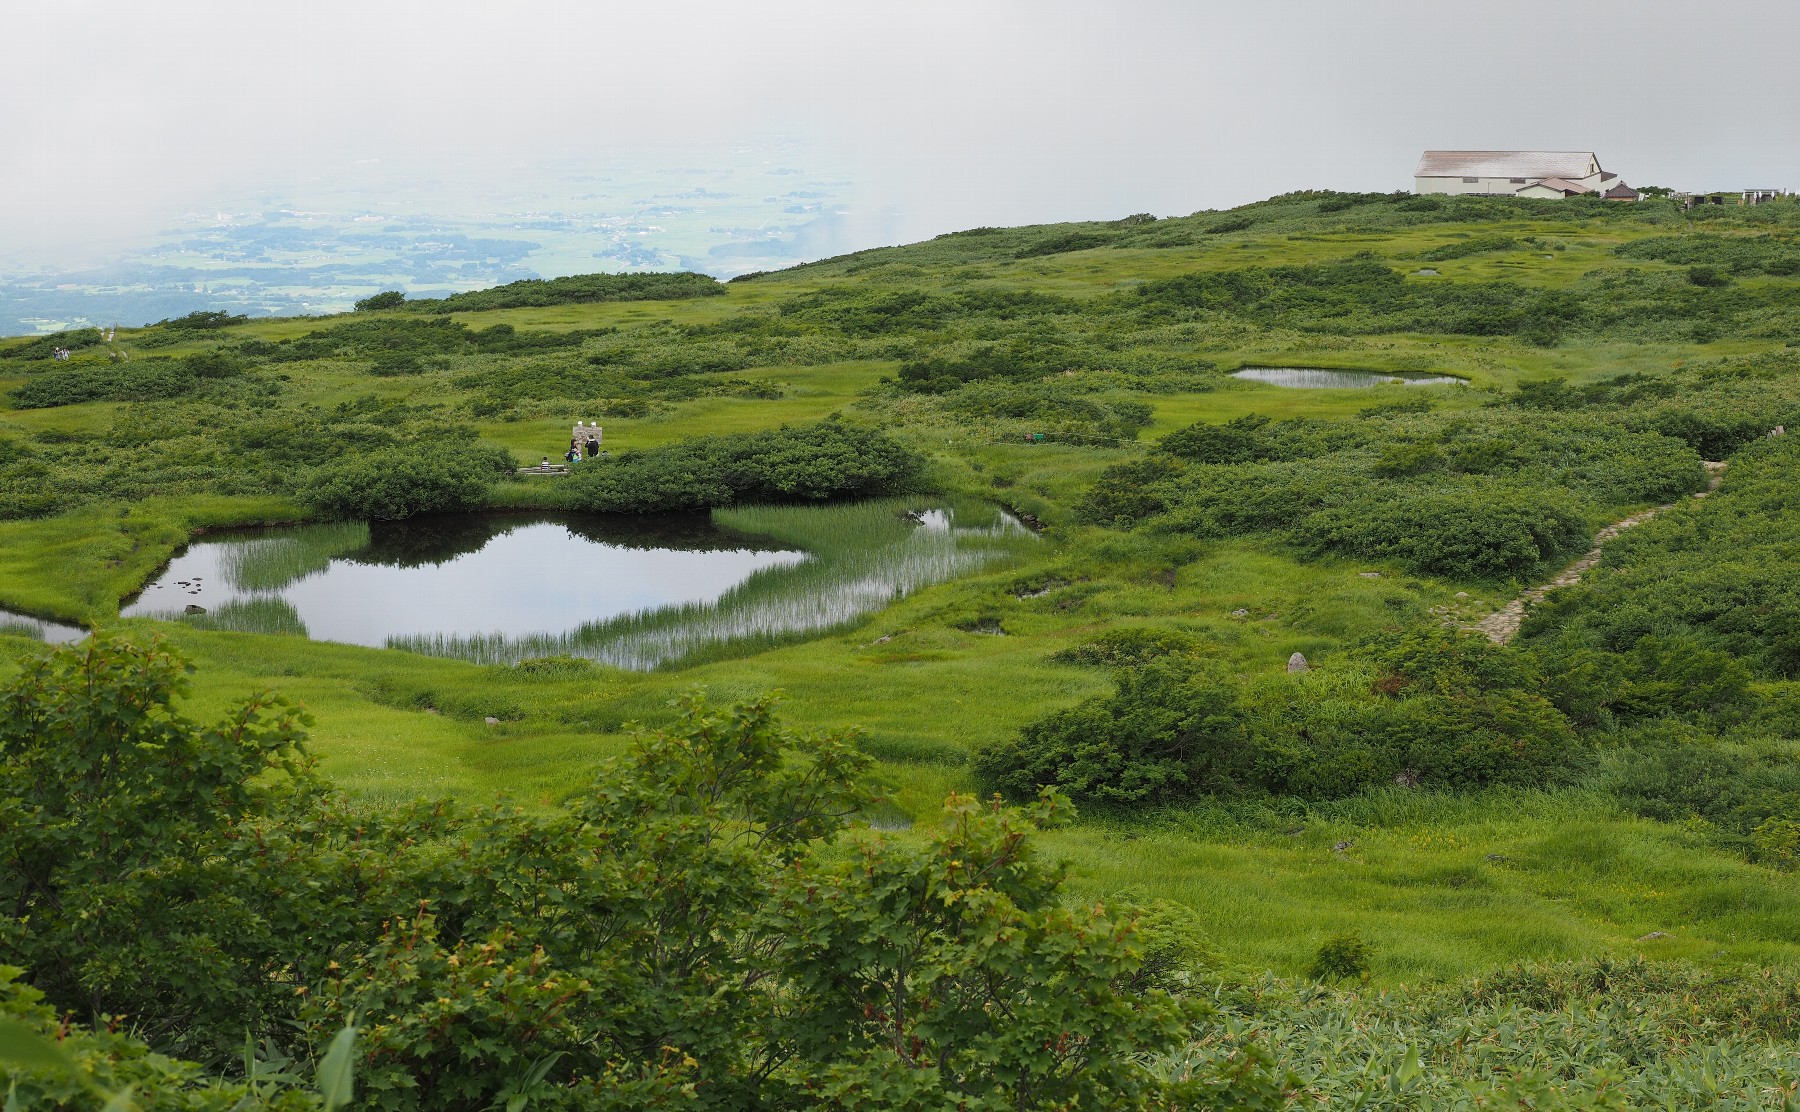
(1474, 245)
(144, 380)
(1342, 957)
(1171, 731)
(204, 321)
(44, 347)
(577, 289)
(1254, 438)
(810, 463)
(1129, 647)
(1472, 531)
(386, 299)
(401, 481)
(1127, 493)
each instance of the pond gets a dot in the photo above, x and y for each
(41, 629)
(633, 592)
(1323, 378)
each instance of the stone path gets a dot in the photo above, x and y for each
(1503, 624)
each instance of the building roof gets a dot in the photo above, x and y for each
(1562, 184)
(1621, 192)
(1505, 164)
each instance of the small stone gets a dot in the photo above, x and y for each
(1297, 663)
(193, 609)
(1462, 594)
(1342, 846)
(1369, 574)
(1240, 613)
(491, 720)
(1653, 936)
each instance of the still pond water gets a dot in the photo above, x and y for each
(634, 592)
(1320, 378)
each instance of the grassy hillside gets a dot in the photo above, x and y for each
(1607, 350)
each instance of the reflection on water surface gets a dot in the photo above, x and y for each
(1321, 378)
(637, 592)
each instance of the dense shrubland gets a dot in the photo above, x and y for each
(698, 928)
(1481, 495)
(1435, 709)
(580, 289)
(144, 381)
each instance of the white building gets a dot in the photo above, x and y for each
(1517, 174)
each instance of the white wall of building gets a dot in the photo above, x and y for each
(1505, 187)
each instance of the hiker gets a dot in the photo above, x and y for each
(573, 455)
(593, 448)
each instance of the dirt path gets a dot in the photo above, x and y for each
(1503, 624)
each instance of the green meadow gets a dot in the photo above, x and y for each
(1616, 785)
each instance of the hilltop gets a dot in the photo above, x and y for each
(1614, 786)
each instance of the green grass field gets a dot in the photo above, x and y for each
(1445, 886)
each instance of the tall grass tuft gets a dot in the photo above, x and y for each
(269, 563)
(863, 556)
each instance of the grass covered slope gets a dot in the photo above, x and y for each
(1507, 808)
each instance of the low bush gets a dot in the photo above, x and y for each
(144, 380)
(809, 463)
(1441, 710)
(45, 347)
(400, 481)
(1168, 733)
(204, 321)
(1254, 438)
(577, 289)
(386, 299)
(1474, 245)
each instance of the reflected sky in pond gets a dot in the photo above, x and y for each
(634, 592)
(1321, 378)
(506, 576)
(57, 633)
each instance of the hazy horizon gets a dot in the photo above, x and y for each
(139, 134)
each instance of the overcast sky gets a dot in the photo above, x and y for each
(115, 114)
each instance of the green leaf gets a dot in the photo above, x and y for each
(23, 1047)
(336, 1079)
(120, 1102)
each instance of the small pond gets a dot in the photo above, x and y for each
(634, 592)
(1322, 378)
(57, 633)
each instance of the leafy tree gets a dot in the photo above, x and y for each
(116, 812)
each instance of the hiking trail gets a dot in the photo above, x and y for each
(1503, 624)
